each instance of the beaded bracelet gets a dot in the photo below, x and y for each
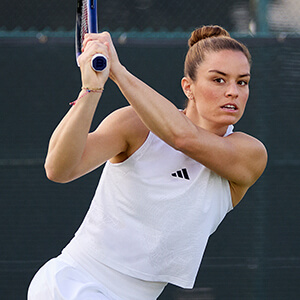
(88, 90)
(96, 90)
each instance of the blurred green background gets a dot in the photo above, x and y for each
(255, 252)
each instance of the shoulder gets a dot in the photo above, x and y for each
(123, 114)
(253, 146)
(124, 119)
(255, 159)
(130, 128)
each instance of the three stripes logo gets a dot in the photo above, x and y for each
(181, 174)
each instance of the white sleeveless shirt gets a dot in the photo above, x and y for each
(152, 215)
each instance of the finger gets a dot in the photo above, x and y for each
(88, 37)
(100, 37)
(92, 48)
(85, 42)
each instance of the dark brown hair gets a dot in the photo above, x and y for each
(207, 39)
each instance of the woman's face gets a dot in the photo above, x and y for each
(220, 91)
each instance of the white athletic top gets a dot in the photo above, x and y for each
(152, 215)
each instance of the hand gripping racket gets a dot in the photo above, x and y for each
(87, 22)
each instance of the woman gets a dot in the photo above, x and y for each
(170, 177)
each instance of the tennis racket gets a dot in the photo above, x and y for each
(87, 22)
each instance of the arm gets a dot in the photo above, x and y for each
(239, 158)
(73, 151)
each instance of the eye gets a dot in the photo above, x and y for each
(243, 82)
(219, 80)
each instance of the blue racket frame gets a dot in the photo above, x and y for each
(99, 61)
(93, 19)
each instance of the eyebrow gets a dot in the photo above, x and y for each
(224, 74)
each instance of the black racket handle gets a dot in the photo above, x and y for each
(99, 62)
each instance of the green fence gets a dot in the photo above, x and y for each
(254, 255)
(255, 252)
(254, 17)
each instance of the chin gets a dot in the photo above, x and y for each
(231, 120)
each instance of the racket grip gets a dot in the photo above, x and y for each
(99, 62)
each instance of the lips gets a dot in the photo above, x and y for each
(229, 106)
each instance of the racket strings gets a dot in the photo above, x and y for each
(84, 20)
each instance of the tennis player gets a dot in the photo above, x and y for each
(170, 178)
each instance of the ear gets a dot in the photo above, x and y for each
(186, 87)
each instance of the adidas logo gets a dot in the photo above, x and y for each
(181, 174)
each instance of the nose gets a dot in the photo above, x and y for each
(232, 90)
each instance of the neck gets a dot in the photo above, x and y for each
(198, 120)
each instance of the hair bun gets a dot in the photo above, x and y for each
(206, 32)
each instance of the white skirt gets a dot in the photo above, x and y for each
(62, 278)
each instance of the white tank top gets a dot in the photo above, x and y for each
(152, 215)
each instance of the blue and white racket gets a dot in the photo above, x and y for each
(87, 22)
